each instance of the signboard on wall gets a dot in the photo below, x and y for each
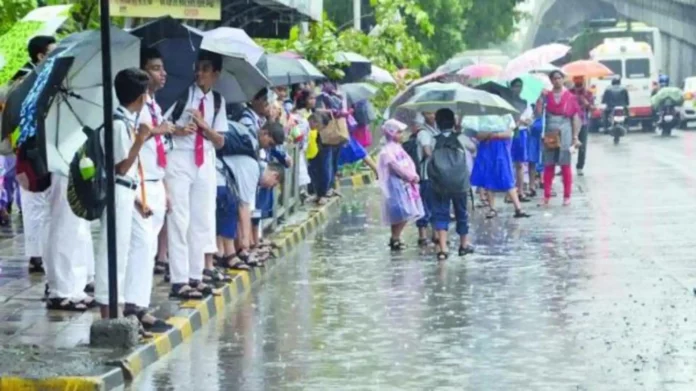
(177, 9)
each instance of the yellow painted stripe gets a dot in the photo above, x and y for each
(356, 180)
(244, 276)
(133, 364)
(190, 304)
(51, 384)
(205, 315)
(163, 345)
(183, 324)
(219, 304)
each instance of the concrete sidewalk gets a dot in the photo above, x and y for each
(49, 349)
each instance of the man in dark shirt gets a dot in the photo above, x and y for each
(586, 102)
(615, 96)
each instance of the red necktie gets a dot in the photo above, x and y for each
(161, 154)
(198, 148)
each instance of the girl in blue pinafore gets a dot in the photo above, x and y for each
(493, 164)
(519, 150)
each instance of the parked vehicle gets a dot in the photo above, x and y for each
(688, 109)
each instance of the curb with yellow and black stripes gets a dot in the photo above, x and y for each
(192, 316)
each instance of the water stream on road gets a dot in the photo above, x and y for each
(561, 301)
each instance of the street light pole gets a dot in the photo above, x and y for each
(357, 14)
(104, 26)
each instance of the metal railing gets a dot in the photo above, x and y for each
(286, 197)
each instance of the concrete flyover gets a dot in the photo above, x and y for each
(553, 19)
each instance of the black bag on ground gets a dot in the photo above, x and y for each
(447, 170)
(87, 195)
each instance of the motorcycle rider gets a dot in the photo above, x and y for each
(614, 96)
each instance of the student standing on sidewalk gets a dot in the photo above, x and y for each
(145, 227)
(192, 182)
(131, 89)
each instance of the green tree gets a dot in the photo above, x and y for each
(11, 11)
(450, 21)
(490, 22)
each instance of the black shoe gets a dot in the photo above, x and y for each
(466, 250)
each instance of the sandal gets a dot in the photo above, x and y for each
(396, 244)
(532, 193)
(184, 292)
(492, 213)
(215, 276)
(466, 250)
(205, 289)
(89, 302)
(250, 259)
(524, 199)
(161, 267)
(519, 214)
(156, 326)
(442, 256)
(422, 242)
(4, 218)
(61, 304)
(232, 262)
(89, 288)
(36, 265)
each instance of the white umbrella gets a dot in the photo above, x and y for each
(462, 100)
(381, 75)
(234, 40)
(73, 96)
(545, 68)
(240, 80)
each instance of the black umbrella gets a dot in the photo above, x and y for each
(505, 93)
(356, 67)
(284, 71)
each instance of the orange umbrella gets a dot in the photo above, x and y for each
(586, 68)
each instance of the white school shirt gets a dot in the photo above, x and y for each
(193, 100)
(148, 153)
(124, 132)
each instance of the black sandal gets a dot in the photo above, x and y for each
(532, 193)
(236, 264)
(524, 199)
(184, 292)
(466, 250)
(158, 326)
(161, 267)
(205, 289)
(422, 242)
(396, 244)
(250, 260)
(89, 288)
(492, 213)
(442, 256)
(36, 265)
(61, 304)
(519, 214)
(215, 276)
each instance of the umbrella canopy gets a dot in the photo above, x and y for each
(73, 95)
(179, 44)
(504, 91)
(311, 70)
(356, 92)
(234, 40)
(534, 59)
(454, 64)
(283, 71)
(480, 71)
(674, 94)
(486, 123)
(290, 54)
(381, 75)
(462, 100)
(586, 69)
(545, 69)
(356, 67)
(533, 85)
(406, 95)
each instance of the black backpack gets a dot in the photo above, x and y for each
(447, 169)
(87, 197)
(180, 105)
(411, 148)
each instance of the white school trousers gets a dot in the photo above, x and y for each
(67, 248)
(191, 221)
(124, 201)
(35, 210)
(141, 259)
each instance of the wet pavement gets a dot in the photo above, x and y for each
(597, 296)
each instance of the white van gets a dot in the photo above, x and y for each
(635, 63)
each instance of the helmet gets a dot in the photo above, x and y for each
(663, 80)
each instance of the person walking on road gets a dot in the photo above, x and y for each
(398, 179)
(585, 100)
(561, 135)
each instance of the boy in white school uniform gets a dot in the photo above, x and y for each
(146, 227)
(192, 182)
(131, 89)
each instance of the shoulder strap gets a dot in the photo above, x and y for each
(179, 107)
(217, 104)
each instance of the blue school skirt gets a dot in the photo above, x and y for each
(264, 202)
(534, 142)
(493, 166)
(519, 147)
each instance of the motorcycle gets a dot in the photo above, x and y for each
(617, 124)
(669, 119)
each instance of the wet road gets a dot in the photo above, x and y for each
(597, 296)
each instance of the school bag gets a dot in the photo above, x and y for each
(182, 102)
(87, 176)
(411, 148)
(447, 169)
